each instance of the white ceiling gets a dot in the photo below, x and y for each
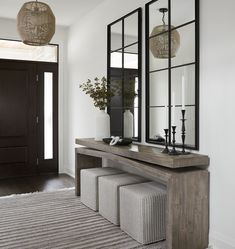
(66, 11)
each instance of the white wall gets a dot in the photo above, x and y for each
(87, 45)
(217, 120)
(8, 30)
(87, 59)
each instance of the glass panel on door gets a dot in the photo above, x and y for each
(48, 115)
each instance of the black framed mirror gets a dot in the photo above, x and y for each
(172, 70)
(124, 72)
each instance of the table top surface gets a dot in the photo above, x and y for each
(147, 154)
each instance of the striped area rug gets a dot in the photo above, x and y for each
(58, 220)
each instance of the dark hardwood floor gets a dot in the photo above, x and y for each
(34, 184)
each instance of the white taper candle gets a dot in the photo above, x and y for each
(166, 111)
(183, 92)
(173, 109)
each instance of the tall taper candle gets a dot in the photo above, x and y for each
(166, 110)
(183, 92)
(173, 109)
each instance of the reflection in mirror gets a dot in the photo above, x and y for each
(182, 11)
(131, 57)
(158, 91)
(156, 63)
(155, 16)
(159, 42)
(172, 70)
(137, 100)
(188, 73)
(131, 29)
(115, 110)
(156, 20)
(116, 59)
(124, 76)
(157, 125)
(189, 125)
(116, 36)
(131, 60)
(186, 53)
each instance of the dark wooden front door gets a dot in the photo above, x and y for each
(20, 103)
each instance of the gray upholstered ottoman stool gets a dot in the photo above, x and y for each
(109, 194)
(142, 211)
(89, 184)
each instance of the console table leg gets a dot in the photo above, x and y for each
(188, 211)
(84, 162)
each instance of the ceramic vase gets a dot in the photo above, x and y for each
(102, 125)
(128, 124)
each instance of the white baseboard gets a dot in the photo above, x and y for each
(220, 241)
(68, 172)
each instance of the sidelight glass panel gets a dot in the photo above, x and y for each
(48, 115)
(136, 109)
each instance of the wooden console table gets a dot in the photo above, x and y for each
(186, 178)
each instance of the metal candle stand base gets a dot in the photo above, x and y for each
(166, 150)
(174, 152)
(183, 152)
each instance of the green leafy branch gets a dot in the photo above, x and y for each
(98, 91)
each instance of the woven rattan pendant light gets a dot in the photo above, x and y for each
(36, 23)
(159, 43)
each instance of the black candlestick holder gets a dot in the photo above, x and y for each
(183, 152)
(173, 151)
(166, 150)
